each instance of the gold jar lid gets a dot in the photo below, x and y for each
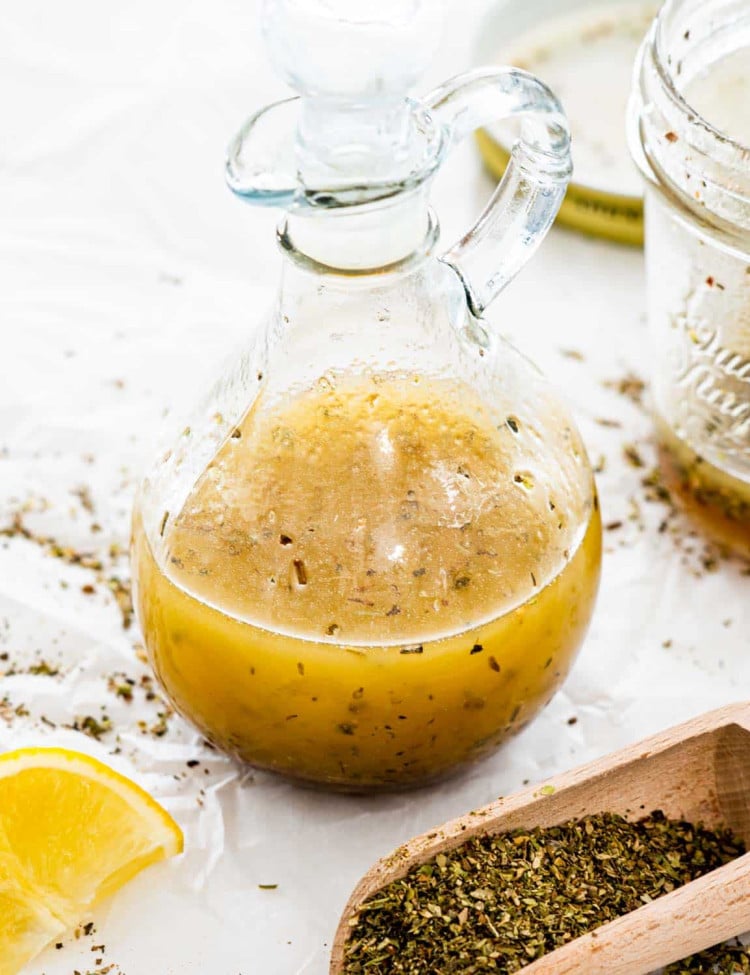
(585, 53)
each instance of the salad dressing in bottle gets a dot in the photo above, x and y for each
(374, 551)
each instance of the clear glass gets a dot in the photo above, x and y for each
(373, 552)
(688, 126)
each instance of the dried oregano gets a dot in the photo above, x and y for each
(497, 903)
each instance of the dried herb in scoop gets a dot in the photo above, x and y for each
(497, 903)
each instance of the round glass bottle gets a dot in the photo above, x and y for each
(374, 551)
(690, 134)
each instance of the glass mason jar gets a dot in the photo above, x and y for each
(689, 128)
(373, 551)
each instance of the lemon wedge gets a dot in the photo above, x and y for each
(72, 831)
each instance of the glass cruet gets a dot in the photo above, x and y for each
(373, 551)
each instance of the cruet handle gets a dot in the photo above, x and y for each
(526, 201)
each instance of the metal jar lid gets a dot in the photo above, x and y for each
(585, 53)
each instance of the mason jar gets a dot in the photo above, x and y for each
(689, 130)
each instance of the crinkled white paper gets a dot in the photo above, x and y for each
(126, 272)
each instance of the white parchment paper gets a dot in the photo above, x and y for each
(126, 273)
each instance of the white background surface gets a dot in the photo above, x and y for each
(126, 272)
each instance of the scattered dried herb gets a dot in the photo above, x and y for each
(43, 669)
(38, 669)
(93, 727)
(9, 710)
(160, 727)
(632, 455)
(94, 561)
(124, 690)
(630, 386)
(83, 494)
(18, 529)
(496, 903)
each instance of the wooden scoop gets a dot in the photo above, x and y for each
(698, 771)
